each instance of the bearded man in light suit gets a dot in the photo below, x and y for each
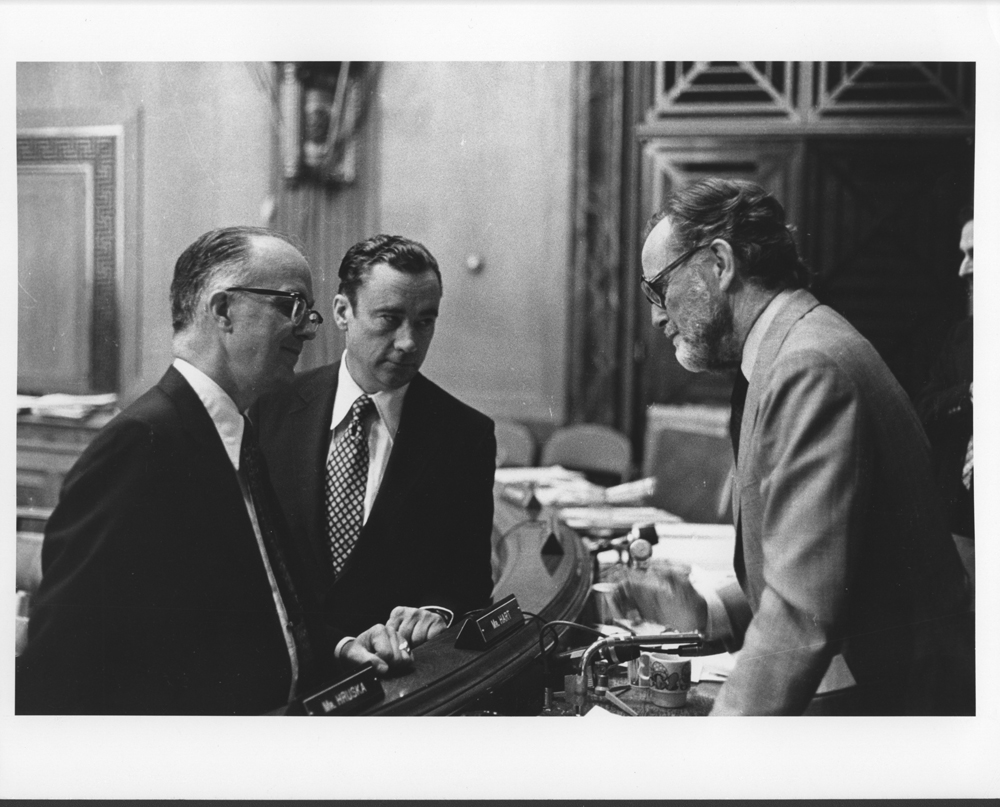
(851, 598)
(412, 542)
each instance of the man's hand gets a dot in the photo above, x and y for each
(416, 625)
(383, 647)
(665, 597)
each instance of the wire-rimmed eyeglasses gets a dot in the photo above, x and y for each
(655, 288)
(300, 311)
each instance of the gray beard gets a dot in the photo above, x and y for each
(709, 342)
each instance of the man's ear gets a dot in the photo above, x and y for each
(724, 265)
(220, 311)
(342, 311)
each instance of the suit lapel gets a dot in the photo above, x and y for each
(800, 303)
(309, 420)
(411, 451)
(194, 418)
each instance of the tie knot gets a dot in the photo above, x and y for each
(361, 408)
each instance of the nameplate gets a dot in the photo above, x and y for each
(480, 632)
(347, 696)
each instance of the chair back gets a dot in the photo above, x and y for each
(29, 561)
(515, 445)
(688, 451)
(603, 453)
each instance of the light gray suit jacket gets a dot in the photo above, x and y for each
(842, 542)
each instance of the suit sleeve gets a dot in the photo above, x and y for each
(813, 474)
(467, 582)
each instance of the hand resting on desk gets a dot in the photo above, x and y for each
(416, 625)
(383, 647)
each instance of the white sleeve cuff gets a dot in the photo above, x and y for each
(445, 613)
(341, 645)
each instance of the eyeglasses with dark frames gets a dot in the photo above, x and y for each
(300, 312)
(655, 288)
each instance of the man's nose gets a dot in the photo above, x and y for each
(405, 339)
(305, 332)
(659, 317)
(966, 267)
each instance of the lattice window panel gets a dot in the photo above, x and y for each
(880, 89)
(810, 92)
(713, 88)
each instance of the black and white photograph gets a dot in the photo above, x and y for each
(384, 362)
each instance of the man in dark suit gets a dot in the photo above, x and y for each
(170, 584)
(945, 409)
(388, 476)
(851, 598)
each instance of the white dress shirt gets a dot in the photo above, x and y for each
(229, 424)
(380, 427)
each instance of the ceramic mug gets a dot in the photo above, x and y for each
(669, 678)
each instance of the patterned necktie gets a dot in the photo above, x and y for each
(967, 466)
(275, 538)
(346, 480)
(738, 402)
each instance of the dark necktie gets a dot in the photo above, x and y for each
(738, 402)
(346, 480)
(275, 538)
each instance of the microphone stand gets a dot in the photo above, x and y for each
(605, 650)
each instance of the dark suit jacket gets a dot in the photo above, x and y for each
(154, 597)
(844, 543)
(427, 538)
(945, 409)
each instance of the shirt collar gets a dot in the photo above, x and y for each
(221, 408)
(389, 403)
(751, 347)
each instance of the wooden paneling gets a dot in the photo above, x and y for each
(883, 234)
(70, 231)
(872, 161)
(55, 276)
(670, 163)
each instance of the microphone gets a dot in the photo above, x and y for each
(619, 654)
(569, 660)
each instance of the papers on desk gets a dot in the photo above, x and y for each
(712, 668)
(684, 529)
(73, 407)
(535, 476)
(556, 486)
(614, 518)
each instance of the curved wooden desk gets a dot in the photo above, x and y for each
(447, 680)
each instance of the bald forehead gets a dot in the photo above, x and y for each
(658, 248)
(274, 260)
(271, 247)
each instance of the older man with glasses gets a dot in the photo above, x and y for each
(171, 584)
(850, 596)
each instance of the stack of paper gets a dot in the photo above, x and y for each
(75, 407)
(556, 486)
(613, 518)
